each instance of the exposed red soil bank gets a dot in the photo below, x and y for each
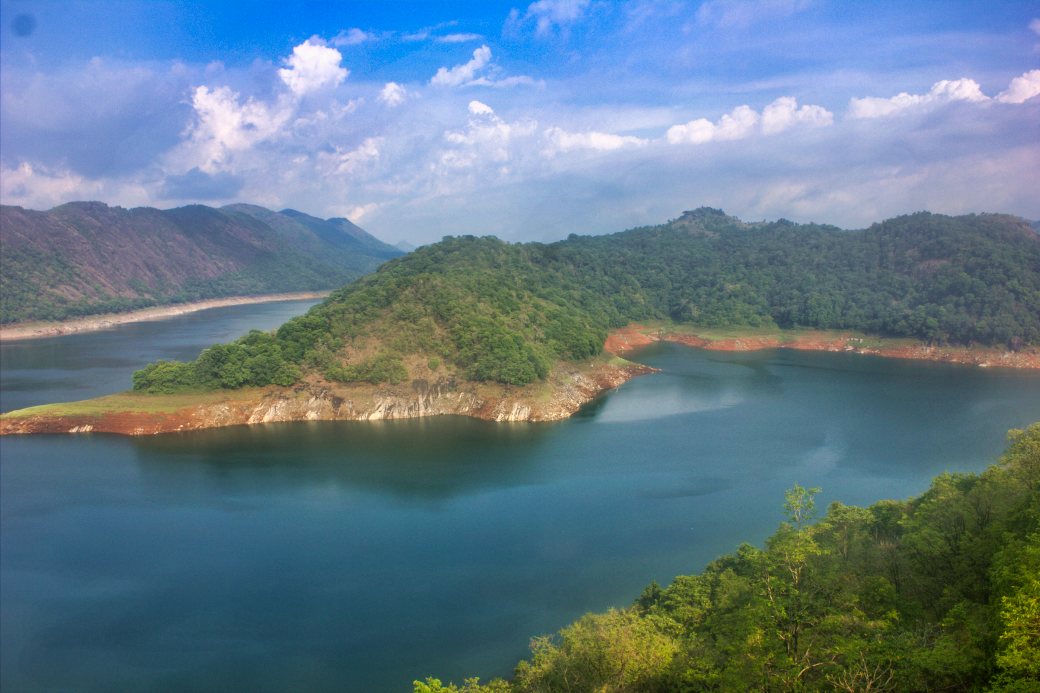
(627, 339)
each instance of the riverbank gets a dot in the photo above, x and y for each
(38, 330)
(626, 340)
(568, 388)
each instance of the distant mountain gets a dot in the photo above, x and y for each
(405, 246)
(84, 258)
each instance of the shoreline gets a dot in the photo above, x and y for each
(94, 323)
(568, 388)
(625, 340)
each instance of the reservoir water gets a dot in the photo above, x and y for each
(360, 556)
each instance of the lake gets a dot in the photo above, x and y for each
(356, 556)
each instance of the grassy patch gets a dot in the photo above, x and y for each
(130, 402)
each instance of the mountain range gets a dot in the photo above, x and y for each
(85, 258)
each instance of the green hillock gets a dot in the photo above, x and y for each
(506, 313)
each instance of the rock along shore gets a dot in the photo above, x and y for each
(566, 391)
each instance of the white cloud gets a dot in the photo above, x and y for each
(487, 139)
(461, 74)
(1022, 88)
(941, 92)
(553, 13)
(36, 186)
(784, 113)
(351, 37)
(359, 212)
(340, 162)
(559, 140)
(224, 126)
(744, 121)
(29, 185)
(506, 82)
(479, 108)
(735, 125)
(312, 66)
(393, 94)
(1035, 26)
(457, 38)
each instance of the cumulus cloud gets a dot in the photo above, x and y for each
(312, 66)
(393, 94)
(784, 113)
(40, 187)
(464, 73)
(735, 125)
(744, 121)
(1022, 88)
(345, 162)
(225, 125)
(550, 14)
(941, 92)
(487, 139)
(359, 212)
(559, 140)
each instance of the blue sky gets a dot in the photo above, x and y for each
(525, 120)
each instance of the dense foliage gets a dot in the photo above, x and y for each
(941, 592)
(506, 313)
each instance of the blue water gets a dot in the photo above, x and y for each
(356, 556)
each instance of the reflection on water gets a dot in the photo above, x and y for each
(362, 555)
(412, 458)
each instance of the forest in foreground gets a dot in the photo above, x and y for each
(480, 309)
(939, 592)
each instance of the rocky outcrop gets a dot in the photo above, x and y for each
(565, 392)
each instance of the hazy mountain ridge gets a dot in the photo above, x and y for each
(83, 258)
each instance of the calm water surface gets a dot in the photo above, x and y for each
(359, 556)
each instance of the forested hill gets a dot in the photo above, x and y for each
(492, 311)
(937, 593)
(85, 258)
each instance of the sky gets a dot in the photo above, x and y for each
(528, 121)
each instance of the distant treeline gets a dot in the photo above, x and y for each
(507, 312)
(937, 593)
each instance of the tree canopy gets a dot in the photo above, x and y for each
(939, 592)
(506, 313)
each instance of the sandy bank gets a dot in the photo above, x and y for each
(36, 330)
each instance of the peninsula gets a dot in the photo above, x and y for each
(530, 332)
